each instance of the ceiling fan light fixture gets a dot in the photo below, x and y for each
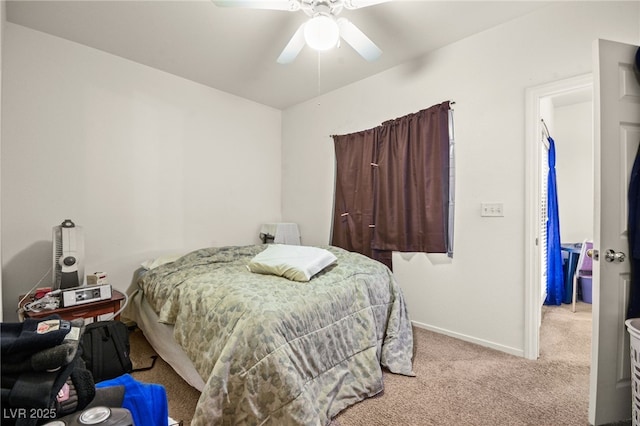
(321, 32)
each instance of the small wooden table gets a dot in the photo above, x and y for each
(85, 310)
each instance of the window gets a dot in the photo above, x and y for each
(393, 186)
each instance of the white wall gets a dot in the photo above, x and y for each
(573, 134)
(147, 161)
(479, 295)
(143, 160)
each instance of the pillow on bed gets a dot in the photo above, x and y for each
(159, 261)
(297, 263)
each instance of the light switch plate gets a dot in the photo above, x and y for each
(492, 210)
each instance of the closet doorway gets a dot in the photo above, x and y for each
(565, 107)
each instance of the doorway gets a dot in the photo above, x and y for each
(558, 104)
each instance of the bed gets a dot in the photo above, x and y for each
(264, 349)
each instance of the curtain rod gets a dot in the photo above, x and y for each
(545, 132)
(546, 129)
(450, 103)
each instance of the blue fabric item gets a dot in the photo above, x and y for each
(555, 276)
(146, 401)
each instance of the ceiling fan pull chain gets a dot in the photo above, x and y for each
(319, 73)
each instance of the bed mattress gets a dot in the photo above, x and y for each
(160, 337)
(273, 351)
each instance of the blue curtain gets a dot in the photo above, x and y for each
(555, 276)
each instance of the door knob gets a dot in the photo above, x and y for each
(613, 256)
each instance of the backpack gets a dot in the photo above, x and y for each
(105, 349)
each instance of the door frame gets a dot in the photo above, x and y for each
(533, 132)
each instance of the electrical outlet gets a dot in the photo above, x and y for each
(492, 210)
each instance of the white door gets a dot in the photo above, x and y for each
(616, 140)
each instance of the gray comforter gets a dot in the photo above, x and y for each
(274, 351)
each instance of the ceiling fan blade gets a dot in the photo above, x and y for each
(357, 4)
(358, 40)
(294, 46)
(289, 5)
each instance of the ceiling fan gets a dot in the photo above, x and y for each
(323, 30)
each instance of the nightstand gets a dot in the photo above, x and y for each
(87, 310)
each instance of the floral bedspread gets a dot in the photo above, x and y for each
(279, 352)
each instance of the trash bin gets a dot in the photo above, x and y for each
(633, 326)
(586, 287)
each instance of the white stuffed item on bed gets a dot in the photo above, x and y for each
(297, 263)
(276, 351)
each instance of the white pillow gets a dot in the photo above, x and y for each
(297, 263)
(158, 261)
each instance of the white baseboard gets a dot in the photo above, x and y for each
(471, 339)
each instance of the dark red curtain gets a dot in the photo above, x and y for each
(353, 206)
(392, 186)
(412, 182)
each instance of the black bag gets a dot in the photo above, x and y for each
(105, 349)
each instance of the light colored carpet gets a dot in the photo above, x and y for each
(456, 383)
(460, 383)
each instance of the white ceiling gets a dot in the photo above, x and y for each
(235, 49)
